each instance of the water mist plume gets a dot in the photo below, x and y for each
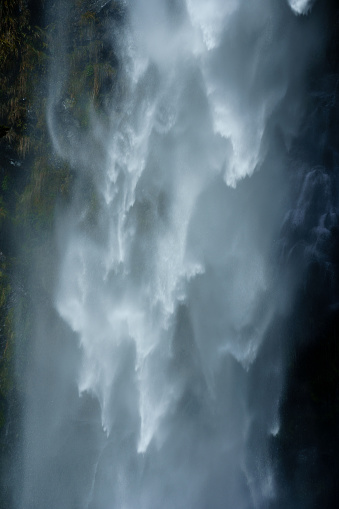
(168, 280)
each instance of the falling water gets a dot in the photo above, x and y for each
(157, 377)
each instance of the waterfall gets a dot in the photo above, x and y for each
(159, 367)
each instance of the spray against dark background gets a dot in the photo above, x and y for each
(304, 451)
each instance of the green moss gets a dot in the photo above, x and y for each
(89, 71)
(27, 204)
(35, 208)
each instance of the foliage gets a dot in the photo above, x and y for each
(22, 61)
(33, 179)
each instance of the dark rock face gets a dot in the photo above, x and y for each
(307, 446)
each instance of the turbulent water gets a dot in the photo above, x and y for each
(160, 387)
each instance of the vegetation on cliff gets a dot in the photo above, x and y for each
(33, 178)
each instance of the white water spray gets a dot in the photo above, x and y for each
(172, 296)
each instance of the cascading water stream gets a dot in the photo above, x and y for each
(171, 296)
